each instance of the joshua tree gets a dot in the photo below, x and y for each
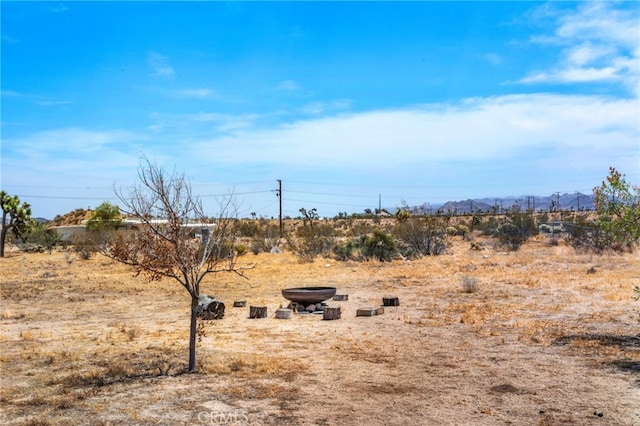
(18, 216)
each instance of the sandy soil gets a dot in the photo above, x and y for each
(549, 337)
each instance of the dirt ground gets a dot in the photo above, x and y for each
(548, 337)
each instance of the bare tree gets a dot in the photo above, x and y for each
(165, 244)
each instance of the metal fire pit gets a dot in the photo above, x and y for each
(309, 295)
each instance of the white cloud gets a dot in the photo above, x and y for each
(201, 93)
(492, 58)
(481, 129)
(600, 42)
(159, 65)
(70, 142)
(479, 146)
(288, 86)
(8, 39)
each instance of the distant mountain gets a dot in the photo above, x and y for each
(575, 201)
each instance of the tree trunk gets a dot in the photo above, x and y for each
(3, 234)
(192, 334)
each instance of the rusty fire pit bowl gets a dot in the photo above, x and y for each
(309, 295)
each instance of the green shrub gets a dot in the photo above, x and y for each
(376, 246)
(618, 206)
(38, 237)
(379, 246)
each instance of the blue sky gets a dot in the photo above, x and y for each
(417, 102)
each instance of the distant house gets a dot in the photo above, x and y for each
(70, 232)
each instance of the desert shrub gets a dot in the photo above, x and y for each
(462, 230)
(490, 227)
(376, 246)
(554, 241)
(421, 236)
(265, 238)
(37, 237)
(516, 229)
(241, 249)
(379, 246)
(349, 250)
(248, 228)
(105, 216)
(469, 284)
(618, 205)
(312, 241)
(84, 246)
(359, 228)
(587, 237)
(476, 222)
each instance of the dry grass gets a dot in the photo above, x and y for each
(85, 342)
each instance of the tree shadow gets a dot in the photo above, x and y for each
(621, 342)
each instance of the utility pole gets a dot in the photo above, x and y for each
(578, 197)
(279, 195)
(558, 201)
(379, 203)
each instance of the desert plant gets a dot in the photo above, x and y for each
(618, 205)
(15, 217)
(308, 242)
(105, 217)
(375, 246)
(421, 236)
(38, 237)
(469, 284)
(379, 246)
(516, 229)
(266, 236)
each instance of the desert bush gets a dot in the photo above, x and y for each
(587, 237)
(359, 228)
(38, 237)
(469, 284)
(476, 223)
(421, 236)
(84, 246)
(312, 241)
(462, 230)
(241, 249)
(490, 227)
(379, 246)
(618, 206)
(516, 229)
(376, 246)
(105, 216)
(349, 250)
(248, 228)
(265, 238)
